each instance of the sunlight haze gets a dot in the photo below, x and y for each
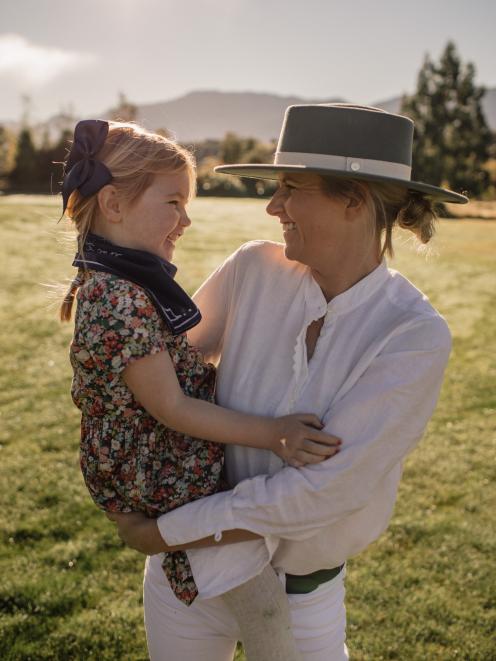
(64, 54)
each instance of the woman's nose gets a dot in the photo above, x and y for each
(276, 203)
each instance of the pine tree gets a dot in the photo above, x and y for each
(24, 173)
(452, 138)
(7, 144)
(55, 155)
(231, 148)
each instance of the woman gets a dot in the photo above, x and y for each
(316, 324)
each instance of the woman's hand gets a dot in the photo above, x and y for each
(139, 532)
(298, 440)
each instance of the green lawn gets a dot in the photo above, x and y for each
(68, 588)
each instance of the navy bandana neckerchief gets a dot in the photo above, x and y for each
(154, 274)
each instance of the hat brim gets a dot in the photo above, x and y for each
(269, 171)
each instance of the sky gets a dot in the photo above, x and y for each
(65, 55)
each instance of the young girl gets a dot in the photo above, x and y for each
(151, 435)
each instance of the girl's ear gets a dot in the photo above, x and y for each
(109, 204)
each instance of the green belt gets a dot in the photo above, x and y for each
(310, 582)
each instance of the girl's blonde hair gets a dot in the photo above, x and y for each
(134, 156)
(389, 205)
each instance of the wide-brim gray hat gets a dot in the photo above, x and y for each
(344, 140)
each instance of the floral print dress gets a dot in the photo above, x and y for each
(131, 462)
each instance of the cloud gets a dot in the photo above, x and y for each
(36, 65)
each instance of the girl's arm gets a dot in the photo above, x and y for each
(295, 438)
(142, 534)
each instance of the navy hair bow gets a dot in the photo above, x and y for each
(83, 171)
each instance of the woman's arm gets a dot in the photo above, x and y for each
(295, 438)
(383, 415)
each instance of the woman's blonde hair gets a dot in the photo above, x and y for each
(389, 205)
(134, 156)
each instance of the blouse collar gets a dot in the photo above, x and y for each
(352, 297)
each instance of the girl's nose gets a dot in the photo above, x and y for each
(185, 219)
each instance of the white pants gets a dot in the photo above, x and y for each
(207, 630)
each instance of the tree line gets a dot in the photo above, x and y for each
(453, 146)
(28, 167)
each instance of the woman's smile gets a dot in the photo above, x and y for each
(288, 226)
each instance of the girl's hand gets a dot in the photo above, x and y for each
(139, 532)
(298, 440)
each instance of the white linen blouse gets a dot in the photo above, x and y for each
(374, 380)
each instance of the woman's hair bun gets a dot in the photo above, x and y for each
(417, 215)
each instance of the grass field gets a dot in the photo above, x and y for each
(70, 590)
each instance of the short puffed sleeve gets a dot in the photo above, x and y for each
(116, 323)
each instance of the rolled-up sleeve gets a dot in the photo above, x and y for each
(380, 417)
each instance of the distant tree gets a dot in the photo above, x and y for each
(25, 172)
(212, 183)
(259, 152)
(27, 106)
(56, 157)
(125, 111)
(41, 176)
(7, 152)
(231, 148)
(62, 146)
(45, 163)
(452, 137)
(206, 149)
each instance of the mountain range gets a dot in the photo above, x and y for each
(209, 114)
(201, 115)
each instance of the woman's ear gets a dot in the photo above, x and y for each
(109, 204)
(353, 207)
(355, 201)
